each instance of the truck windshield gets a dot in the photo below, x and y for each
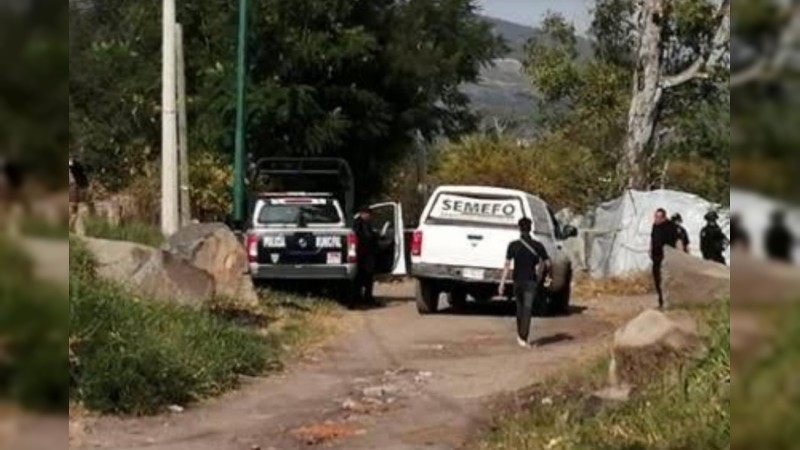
(276, 213)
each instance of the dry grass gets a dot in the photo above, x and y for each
(589, 288)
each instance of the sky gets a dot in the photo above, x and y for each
(531, 12)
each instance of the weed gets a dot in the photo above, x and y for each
(139, 233)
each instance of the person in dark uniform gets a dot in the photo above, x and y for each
(366, 250)
(11, 180)
(713, 240)
(78, 183)
(740, 239)
(683, 235)
(665, 234)
(531, 265)
(779, 241)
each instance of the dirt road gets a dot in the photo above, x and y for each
(395, 381)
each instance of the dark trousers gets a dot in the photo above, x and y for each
(657, 280)
(365, 283)
(525, 294)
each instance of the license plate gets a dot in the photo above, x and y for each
(474, 274)
(334, 258)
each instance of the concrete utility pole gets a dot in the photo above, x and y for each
(169, 153)
(183, 143)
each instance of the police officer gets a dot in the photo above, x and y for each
(366, 251)
(78, 183)
(683, 235)
(779, 240)
(10, 187)
(740, 238)
(713, 240)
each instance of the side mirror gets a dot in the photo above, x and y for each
(569, 232)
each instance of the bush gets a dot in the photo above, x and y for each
(553, 168)
(139, 233)
(135, 356)
(33, 330)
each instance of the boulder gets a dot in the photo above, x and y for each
(151, 272)
(691, 281)
(759, 282)
(215, 249)
(650, 344)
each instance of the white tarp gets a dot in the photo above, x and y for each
(756, 213)
(618, 243)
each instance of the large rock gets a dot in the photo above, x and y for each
(650, 344)
(152, 272)
(760, 282)
(215, 249)
(691, 281)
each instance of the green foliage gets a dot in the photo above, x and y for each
(33, 87)
(553, 168)
(135, 356)
(345, 78)
(765, 395)
(587, 101)
(33, 329)
(690, 410)
(139, 233)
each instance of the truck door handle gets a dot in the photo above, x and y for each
(475, 237)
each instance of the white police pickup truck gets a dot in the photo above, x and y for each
(460, 245)
(307, 236)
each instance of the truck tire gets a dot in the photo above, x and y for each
(457, 298)
(427, 297)
(561, 299)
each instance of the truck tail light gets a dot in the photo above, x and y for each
(352, 248)
(252, 248)
(416, 243)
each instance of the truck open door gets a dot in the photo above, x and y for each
(388, 219)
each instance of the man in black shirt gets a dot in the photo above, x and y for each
(779, 240)
(531, 265)
(665, 234)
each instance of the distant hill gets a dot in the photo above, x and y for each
(504, 91)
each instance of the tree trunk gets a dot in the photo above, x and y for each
(647, 94)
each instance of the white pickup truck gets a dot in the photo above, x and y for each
(460, 245)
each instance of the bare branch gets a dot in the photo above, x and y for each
(770, 65)
(720, 46)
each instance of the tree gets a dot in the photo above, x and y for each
(349, 78)
(668, 31)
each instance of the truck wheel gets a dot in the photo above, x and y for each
(457, 298)
(561, 299)
(427, 297)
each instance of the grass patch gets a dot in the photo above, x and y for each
(135, 356)
(766, 393)
(38, 228)
(33, 329)
(138, 233)
(689, 411)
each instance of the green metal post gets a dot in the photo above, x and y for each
(241, 75)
